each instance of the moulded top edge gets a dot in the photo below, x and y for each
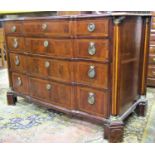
(78, 16)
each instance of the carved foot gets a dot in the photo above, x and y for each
(113, 131)
(11, 98)
(141, 109)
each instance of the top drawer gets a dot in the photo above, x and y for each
(47, 28)
(94, 27)
(14, 27)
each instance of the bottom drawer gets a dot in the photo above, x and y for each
(92, 101)
(20, 83)
(58, 94)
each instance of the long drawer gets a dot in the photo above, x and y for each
(89, 49)
(86, 73)
(59, 28)
(89, 100)
(51, 92)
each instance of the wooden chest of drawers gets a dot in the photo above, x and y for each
(151, 67)
(90, 66)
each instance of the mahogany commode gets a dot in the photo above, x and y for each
(90, 66)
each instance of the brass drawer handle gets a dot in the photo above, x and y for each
(91, 27)
(91, 48)
(48, 87)
(91, 98)
(44, 26)
(46, 43)
(17, 62)
(13, 28)
(15, 43)
(47, 64)
(154, 59)
(91, 72)
(153, 72)
(19, 81)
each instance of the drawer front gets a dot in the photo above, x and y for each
(18, 62)
(16, 43)
(92, 101)
(51, 28)
(51, 47)
(92, 74)
(92, 49)
(152, 50)
(58, 94)
(152, 59)
(151, 71)
(94, 27)
(13, 28)
(20, 83)
(47, 68)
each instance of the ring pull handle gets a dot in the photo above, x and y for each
(91, 98)
(47, 64)
(46, 43)
(44, 26)
(91, 72)
(17, 62)
(48, 87)
(91, 48)
(91, 27)
(15, 43)
(19, 81)
(13, 28)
